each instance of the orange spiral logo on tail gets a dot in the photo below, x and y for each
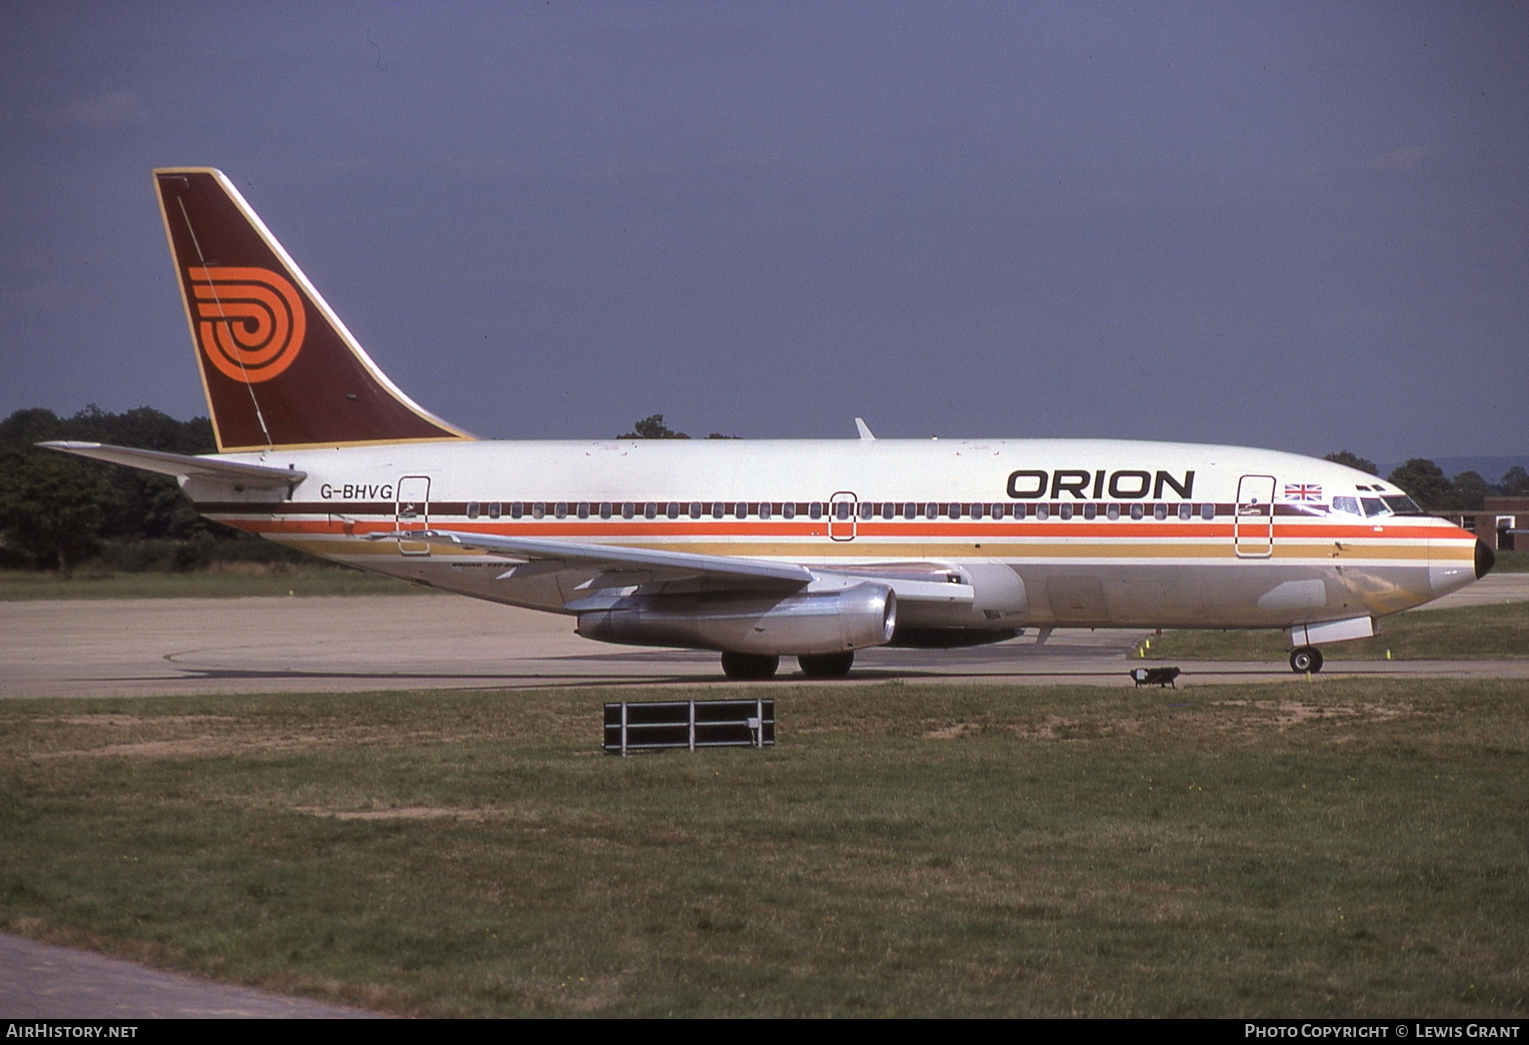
(250, 321)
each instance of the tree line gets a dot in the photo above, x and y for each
(59, 512)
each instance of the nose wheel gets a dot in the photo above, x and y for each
(1306, 659)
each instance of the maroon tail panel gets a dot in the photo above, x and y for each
(278, 367)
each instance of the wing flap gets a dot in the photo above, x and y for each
(658, 565)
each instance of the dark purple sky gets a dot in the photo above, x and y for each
(1298, 226)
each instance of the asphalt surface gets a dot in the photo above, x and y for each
(167, 647)
(39, 981)
(151, 647)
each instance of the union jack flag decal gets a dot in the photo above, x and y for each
(1303, 491)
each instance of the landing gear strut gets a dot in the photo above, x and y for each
(749, 665)
(1306, 659)
(826, 665)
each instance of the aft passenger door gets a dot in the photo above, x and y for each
(413, 512)
(1253, 517)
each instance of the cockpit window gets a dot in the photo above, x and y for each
(1403, 505)
(1373, 506)
(1346, 504)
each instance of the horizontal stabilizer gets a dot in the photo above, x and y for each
(182, 466)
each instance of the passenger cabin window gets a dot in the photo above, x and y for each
(560, 509)
(1207, 512)
(673, 510)
(538, 510)
(628, 510)
(867, 509)
(1160, 512)
(1043, 512)
(1136, 512)
(472, 509)
(1066, 511)
(998, 511)
(695, 509)
(1186, 510)
(741, 510)
(1113, 512)
(816, 510)
(718, 509)
(605, 509)
(788, 509)
(1090, 510)
(516, 510)
(583, 509)
(1019, 511)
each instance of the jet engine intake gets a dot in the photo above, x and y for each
(822, 622)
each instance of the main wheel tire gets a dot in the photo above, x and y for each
(826, 665)
(1306, 659)
(749, 665)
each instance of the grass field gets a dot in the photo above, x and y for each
(235, 581)
(1468, 632)
(1512, 562)
(1337, 848)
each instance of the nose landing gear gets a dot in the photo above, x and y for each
(1306, 659)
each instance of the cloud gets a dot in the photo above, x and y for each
(106, 110)
(1399, 161)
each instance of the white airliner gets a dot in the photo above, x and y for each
(768, 548)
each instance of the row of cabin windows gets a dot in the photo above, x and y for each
(842, 510)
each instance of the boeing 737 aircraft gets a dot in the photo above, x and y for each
(769, 548)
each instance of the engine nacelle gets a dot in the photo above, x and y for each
(824, 622)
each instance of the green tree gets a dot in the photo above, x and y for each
(1515, 483)
(124, 504)
(653, 427)
(1353, 460)
(52, 508)
(1470, 492)
(1425, 482)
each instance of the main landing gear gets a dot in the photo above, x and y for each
(1306, 660)
(749, 666)
(826, 665)
(754, 666)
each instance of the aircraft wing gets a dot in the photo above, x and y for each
(622, 566)
(182, 466)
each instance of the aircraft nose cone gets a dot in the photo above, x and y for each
(1486, 558)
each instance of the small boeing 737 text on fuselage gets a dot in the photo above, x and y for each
(768, 548)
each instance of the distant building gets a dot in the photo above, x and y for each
(1503, 523)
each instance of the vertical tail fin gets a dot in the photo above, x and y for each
(278, 366)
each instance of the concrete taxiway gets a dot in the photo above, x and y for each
(154, 647)
(39, 981)
(146, 647)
